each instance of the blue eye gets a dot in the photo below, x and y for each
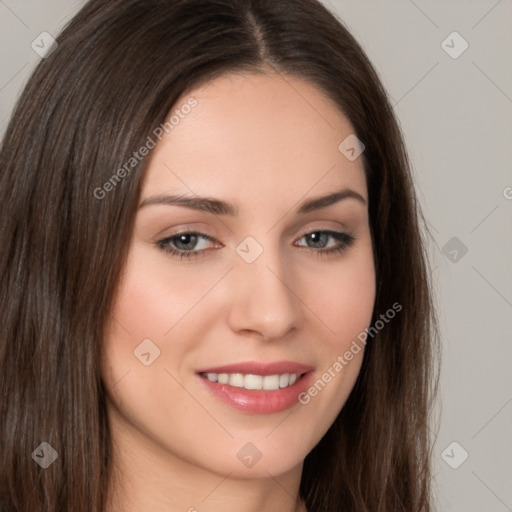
(185, 242)
(184, 245)
(320, 239)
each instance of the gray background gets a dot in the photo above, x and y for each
(456, 117)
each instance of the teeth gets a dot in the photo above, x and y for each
(271, 382)
(253, 382)
(258, 382)
(223, 378)
(236, 379)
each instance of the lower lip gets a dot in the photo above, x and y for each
(259, 402)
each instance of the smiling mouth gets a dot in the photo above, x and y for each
(256, 387)
(254, 382)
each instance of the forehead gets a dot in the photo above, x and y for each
(248, 135)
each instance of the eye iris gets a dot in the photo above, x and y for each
(316, 236)
(185, 239)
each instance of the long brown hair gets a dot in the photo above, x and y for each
(116, 74)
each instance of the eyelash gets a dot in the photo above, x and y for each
(344, 241)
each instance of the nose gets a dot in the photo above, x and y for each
(263, 301)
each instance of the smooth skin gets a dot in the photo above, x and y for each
(266, 143)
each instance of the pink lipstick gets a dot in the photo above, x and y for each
(256, 387)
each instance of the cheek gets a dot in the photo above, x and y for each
(343, 296)
(138, 315)
(155, 295)
(156, 301)
(344, 305)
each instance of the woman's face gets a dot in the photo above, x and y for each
(261, 291)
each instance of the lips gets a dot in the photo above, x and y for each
(252, 386)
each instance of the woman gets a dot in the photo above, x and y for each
(214, 288)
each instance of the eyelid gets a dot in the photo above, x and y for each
(199, 228)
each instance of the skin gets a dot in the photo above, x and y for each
(266, 143)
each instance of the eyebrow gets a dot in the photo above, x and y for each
(219, 207)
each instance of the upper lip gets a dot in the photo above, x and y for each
(260, 368)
